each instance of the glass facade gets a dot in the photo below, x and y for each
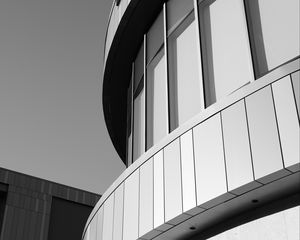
(197, 54)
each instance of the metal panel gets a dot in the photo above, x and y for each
(209, 160)
(296, 88)
(93, 228)
(108, 218)
(287, 119)
(131, 207)
(158, 193)
(263, 133)
(87, 233)
(100, 223)
(172, 170)
(118, 213)
(188, 171)
(236, 145)
(146, 198)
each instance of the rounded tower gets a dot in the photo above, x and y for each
(201, 101)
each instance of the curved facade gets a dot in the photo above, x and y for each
(201, 100)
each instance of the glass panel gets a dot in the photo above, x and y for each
(263, 133)
(139, 125)
(274, 27)
(108, 218)
(158, 176)
(173, 194)
(155, 37)
(131, 207)
(157, 113)
(280, 226)
(100, 224)
(184, 72)
(226, 48)
(139, 67)
(188, 170)
(146, 197)
(177, 10)
(287, 119)
(296, 88)
(118, 213)
(237, 148)
(209, 160)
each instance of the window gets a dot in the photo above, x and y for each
(184, 72)
(138, 106)
(139, 122)
(225, 47)
(157, 110)
(274, 27)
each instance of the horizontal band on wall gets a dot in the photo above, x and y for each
(267, 113)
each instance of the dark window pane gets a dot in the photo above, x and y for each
(155, 37)
(177, 10)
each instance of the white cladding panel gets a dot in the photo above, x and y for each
(209, 160)
(287, 119)
(263, 133)
(236, 145)
(188, 171)
(131, 207)
(146, 198)
(108, 218)
(118, 213)
(172, 170)
(158, 194)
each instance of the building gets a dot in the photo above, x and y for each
(36, 209)
(201, 101)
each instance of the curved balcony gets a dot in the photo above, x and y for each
(237, 155)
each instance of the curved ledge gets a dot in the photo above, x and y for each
(275, 183)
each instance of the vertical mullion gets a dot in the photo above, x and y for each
(196, 11)
(167, 65)
(131, 117)
(145, 92)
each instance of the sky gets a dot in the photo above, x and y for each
(51, 117)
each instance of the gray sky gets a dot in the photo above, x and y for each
(51, 120)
